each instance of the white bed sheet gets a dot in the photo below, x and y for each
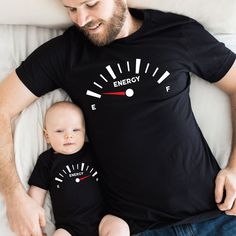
(210, 105)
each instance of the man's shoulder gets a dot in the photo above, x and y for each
(167, 19)
(63, 40)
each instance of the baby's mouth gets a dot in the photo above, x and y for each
(68, 144)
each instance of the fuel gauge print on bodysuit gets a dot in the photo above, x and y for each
(112, 81)
(76, 173)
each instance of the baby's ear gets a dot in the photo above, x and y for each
(45, 132)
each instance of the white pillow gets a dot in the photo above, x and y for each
(217, 16)
(44, 13)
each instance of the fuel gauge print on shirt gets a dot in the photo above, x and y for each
(120, 75)
(76, 173)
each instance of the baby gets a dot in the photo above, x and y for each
(68, 172)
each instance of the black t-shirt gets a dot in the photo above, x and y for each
(72, 181)
(157, 168)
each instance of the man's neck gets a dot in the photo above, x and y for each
(131, 25)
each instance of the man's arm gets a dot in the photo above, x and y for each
(226, 179)
(24, 213)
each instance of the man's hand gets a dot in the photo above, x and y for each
(226, 185)
(25, 216)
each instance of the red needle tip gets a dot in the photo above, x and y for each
(84, 177)
(115, 93)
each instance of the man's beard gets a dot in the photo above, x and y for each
(111, 27)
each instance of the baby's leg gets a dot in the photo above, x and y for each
(61, 232)
(113, 226)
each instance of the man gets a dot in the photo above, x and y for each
(129, 72)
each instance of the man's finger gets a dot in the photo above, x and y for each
(228, 202)
(232, 211)
(219, 188)
(37, 231)
(42, 220)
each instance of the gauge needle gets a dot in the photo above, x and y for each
(77, 180)
(115, 93)
(128, 93)
(84, 177)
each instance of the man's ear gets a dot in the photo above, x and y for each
(45, 132)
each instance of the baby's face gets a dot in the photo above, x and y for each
(65, 130)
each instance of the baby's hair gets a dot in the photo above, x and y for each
(63, 103)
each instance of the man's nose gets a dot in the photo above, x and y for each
(82, 18)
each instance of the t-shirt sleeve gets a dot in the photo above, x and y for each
(207, 57)
(44, 69)
(40, 176)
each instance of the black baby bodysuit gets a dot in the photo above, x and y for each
(72, 181)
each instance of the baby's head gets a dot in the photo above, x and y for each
(65, 127)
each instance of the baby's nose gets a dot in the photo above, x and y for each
(68, 135)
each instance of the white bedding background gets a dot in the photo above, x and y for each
(16, 43)
(210, 105)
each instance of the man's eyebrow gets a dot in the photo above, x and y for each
(79, 4)
(66, 6)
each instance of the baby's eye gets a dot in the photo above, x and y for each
(76, 130)
(59, 131)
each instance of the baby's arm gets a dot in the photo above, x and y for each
(38, 194)
(111, 225)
